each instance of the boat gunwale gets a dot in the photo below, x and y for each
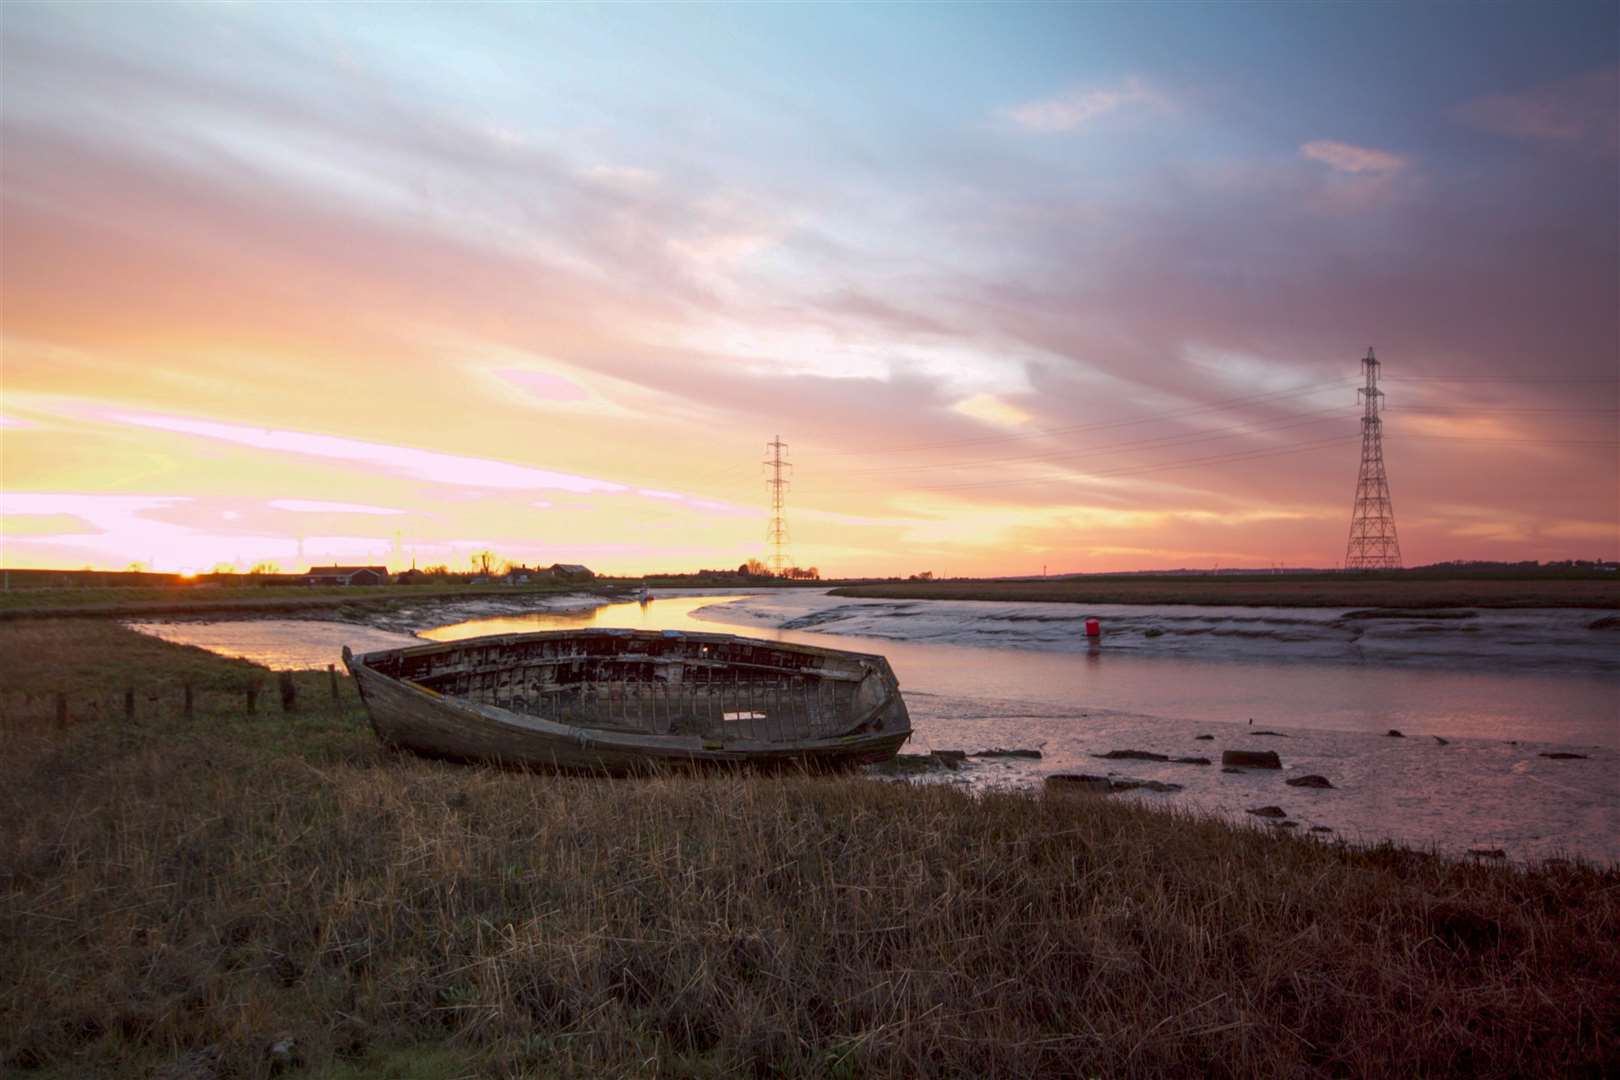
(623, 632)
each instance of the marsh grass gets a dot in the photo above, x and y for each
(174, 886)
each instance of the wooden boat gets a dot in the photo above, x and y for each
(619, 701)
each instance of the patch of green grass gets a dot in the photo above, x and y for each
(427, 1062)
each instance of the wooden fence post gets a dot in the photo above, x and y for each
(289, 692)
(129, 704)
(331, 674)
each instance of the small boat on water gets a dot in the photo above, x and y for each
(620, 701)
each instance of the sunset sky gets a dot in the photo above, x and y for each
(1082, 287)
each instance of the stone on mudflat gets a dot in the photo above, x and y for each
(1273, 734)
(1269, 812)
(1204, 738)
(1563, 755)
(1099, 785)
(1133, 755)
(1395, 733)
(1129, 784)
(1254, 759)
(1189, 761)
(1311, 780)
(997, 751)
(1321, 828)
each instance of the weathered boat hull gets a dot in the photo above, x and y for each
(620, 701)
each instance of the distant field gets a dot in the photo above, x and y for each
(1335, 590)
(196, 599)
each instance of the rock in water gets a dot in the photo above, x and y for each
(1204, 738)
(1563, 755)
(1269, 812)
(1274, 734)
(1312, 780)
(1133, 755)
(1105, 785)
(1439, 740)
(1124, 784)
(997, 751)
(1254, 759)
(1395, 733)
(1099, 785)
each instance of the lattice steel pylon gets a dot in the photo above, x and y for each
(777, 535)
(1373, 544)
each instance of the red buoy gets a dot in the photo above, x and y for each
(1093, 628)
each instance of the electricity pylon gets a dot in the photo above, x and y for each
(1373, 544)
(777, 534)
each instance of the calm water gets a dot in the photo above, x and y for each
(1499, 688)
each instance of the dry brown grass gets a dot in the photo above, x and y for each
(169, 885)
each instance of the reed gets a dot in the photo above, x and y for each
(193, 890)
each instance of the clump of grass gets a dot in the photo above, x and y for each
(172, 886)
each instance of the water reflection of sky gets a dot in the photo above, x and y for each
(1275, 682)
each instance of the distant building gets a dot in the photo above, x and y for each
(346, 575)
(571, 572)
(413, 576)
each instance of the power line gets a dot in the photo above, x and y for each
(1504, 378)
(1171, 415)
(1214, 459)
(1157, 442)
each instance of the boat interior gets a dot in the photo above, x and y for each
(710, 685)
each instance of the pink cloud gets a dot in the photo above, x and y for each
(1348, 158)
(1584, 110)
(1076, 108)
(421, 464)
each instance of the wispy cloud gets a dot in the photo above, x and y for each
(323, 506)
(421, 464)
(1349, 158)
(1076, 108)
(1582, 111)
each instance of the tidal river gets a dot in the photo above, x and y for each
(1477, 699)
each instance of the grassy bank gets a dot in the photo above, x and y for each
(195, 890)
(1325, 590)
(143, 602)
